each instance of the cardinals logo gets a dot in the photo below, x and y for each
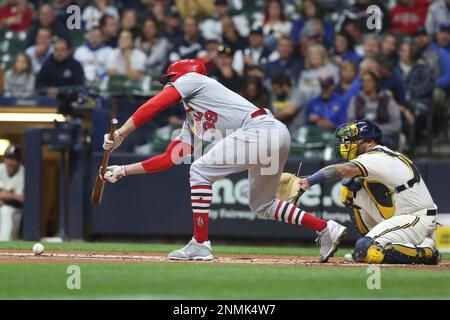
(200, 221)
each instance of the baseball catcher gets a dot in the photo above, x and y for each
(388, 199)
(240, 131)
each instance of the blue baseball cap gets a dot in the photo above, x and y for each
(444, 27)
(13, 152)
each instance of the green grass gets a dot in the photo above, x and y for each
(209, 281)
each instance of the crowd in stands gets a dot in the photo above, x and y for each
(312, 62)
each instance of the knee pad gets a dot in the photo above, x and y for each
(368, 251)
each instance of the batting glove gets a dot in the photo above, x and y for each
(114, 173)
(111, 145)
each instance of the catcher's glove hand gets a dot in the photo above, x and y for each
(289, 188)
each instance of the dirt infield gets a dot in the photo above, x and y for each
(19, 256)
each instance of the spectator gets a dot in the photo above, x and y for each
(255, 71)
(42, 50)
(209, 58)
(328, 110)
(93, 55)
(438, 13)
(156, 10)
(408, 15)
(391, 80)
(348, 72)
(256, 53)
(312, 34)
(344, 50)
(191, 45)
(19, 80)
(372, 45)
(129, 22)
(46, 19)
(369, 64)
(274, 24)
(93, 13)
(211, 27)
(358, 13)
(389, 47)
(419, 82)
(284, 61)
(351, 26)
(16, 15)
(60, 71)
(126, 59)
(153, 45)
(231, 36)
(317, 66)
(285, 106)
(376, 105)
(224, 72)
(443, 37)
(109, 26)
(12, 185)
(310, 10)
(435, 56)
(255, 92)
(172, 25)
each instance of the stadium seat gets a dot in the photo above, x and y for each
(77, 37)
(162, 137)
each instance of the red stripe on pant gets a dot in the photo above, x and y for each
(201, 187)
(291, 213)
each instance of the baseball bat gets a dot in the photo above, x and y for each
(99, 184)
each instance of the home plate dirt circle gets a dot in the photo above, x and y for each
(17, 256)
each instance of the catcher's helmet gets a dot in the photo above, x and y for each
(181, 67)
(13, 152)
(349, 135)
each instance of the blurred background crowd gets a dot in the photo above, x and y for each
(315, 63)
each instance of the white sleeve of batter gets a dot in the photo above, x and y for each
(189, 84)
(185, 135)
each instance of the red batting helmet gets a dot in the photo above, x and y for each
(181, 67)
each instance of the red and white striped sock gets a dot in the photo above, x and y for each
(289, 213)
(201, 197)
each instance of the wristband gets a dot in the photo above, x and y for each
(316, 178)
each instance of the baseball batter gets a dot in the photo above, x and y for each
(389, 201)
(244, 138)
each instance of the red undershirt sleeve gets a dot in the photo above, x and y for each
(175, 151)
(156, 104)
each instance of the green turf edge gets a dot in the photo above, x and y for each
(165, 248)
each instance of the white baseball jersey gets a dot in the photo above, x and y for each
(210, 106)
(392, 172)
(14, 184)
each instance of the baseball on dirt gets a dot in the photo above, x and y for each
(38, 248)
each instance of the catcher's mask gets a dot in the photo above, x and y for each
(350, 136)
(181, 67)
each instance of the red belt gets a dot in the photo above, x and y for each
(258, 113)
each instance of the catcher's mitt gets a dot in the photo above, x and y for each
(289, 188)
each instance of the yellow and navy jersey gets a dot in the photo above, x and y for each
(393, 182)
